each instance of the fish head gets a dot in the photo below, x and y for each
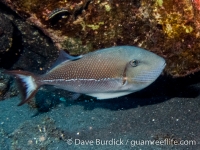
(142, 69)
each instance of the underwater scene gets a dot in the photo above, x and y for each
(99, 74)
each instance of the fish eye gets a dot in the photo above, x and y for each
(134, 63)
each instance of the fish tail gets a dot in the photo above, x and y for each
(27, 83)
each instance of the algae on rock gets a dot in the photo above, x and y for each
(169, 28)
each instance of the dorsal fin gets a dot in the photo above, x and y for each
(63, 56)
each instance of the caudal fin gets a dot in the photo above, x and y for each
(27, 83)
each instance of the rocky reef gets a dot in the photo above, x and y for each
(168, 28)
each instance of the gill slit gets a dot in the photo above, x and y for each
(124, 81)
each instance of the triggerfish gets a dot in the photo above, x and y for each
(104, 74)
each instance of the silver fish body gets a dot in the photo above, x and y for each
(107, 73)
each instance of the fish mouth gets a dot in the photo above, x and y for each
(150, 76)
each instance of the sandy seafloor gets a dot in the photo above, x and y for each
(168, 109)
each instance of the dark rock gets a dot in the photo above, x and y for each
(4, 85)
(29, 48)
(6, 32)
(9, 42)
(38, 51)
(22, 46)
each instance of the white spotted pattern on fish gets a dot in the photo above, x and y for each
(107, 73)
(88, 74)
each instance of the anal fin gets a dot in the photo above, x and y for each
(102, 96)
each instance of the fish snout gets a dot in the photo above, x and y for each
(149, 76)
